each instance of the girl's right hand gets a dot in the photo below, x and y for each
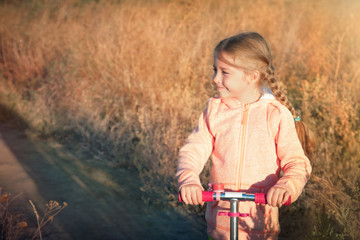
(192, 194)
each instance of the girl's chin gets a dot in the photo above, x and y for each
(224, 94)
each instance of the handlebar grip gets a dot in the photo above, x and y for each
(206, 196)
(261, 198)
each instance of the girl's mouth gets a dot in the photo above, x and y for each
(221, 88)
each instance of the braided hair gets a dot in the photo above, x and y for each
(305, 135)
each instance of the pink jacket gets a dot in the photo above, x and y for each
(249, 145)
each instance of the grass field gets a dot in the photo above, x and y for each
(130, 78)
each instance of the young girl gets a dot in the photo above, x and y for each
(251, 135)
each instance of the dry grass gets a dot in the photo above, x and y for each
(132, 77)
(53, 208)
(12, 223)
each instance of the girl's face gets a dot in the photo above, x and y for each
(230, 81)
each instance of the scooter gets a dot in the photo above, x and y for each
(218, 193)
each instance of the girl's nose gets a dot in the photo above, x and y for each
(216, 78)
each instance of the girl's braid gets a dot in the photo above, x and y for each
(305, 135)
(275, 88)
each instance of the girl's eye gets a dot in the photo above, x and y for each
(222, 71)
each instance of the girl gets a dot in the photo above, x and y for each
(251, 135)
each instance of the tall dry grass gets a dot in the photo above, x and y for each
(131, 78)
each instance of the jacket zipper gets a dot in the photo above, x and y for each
(242, 144)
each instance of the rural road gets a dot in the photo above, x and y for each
(103, 201)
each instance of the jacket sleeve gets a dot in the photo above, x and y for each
(195, 153)
(291, 157)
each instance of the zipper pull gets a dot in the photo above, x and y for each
(246, 108)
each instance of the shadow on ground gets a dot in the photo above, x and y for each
(104, 202)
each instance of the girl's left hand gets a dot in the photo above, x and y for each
(277, 196)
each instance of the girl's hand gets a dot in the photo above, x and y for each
(277, 196)
(192, 194)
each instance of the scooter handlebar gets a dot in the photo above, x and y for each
(207, 196)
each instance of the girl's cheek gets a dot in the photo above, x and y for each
(230, 85)
(226, 83)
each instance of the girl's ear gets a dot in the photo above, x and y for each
(253, 76)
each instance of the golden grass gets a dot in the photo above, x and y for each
(138, 74)
(12, 224)
(52, 209)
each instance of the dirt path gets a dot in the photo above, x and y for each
(103, 201)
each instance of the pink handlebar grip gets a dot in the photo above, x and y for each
(206, 196)
(261, 198)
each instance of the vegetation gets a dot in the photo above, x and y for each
(12, 223)
(132, 77)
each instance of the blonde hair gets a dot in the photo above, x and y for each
(249, 51)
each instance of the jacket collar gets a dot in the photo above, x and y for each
(233, 102)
